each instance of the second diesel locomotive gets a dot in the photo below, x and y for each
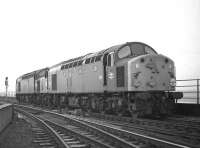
(130, 78)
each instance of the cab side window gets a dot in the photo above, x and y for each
(109, 60)
(19, 86)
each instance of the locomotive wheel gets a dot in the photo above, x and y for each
(132, 110)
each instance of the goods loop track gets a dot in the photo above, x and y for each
(112, 136)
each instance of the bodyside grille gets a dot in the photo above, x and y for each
(120, 76)
(54, 81)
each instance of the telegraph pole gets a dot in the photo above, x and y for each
(6, 84)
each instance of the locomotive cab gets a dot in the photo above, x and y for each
(115, 64)
(146, 78)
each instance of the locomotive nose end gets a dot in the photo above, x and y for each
(151, 72)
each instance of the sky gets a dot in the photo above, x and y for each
(41, 33)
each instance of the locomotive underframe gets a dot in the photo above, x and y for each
(118, 103)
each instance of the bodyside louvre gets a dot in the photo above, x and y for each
(54, 81)
(120, 76)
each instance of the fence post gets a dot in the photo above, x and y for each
(197, 91)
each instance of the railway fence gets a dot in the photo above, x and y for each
(9, 94)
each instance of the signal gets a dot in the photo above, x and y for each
(6, 84)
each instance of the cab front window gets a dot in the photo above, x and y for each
(137, 49)
(124, 52)
(134, 50)
(149, 50)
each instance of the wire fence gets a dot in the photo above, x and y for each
(190, 89)
(9, 94)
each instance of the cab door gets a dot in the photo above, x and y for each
(38, 85)
(109, 72)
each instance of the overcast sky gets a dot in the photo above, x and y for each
(39, 33)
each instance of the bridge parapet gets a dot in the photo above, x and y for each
(6, 115)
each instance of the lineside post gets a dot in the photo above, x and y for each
(6, 84)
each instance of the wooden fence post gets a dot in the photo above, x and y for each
(197, 91)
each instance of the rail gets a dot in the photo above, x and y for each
(190, 89)
(61, 143)
(117, 137)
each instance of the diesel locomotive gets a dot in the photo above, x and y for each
(127, 79)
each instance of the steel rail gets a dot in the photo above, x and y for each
(188, 80)
(118, 142)
(147, 139)
(61, 143)
(82, 136)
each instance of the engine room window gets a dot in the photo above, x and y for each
(66, 66)
(98, 58)
(75, 64)
(93, 58)
(70, 65)
(124, 52)
(87, 61)
(80, 62)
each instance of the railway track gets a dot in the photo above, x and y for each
(70, 136)
(176, 121)
(175, 136)
(45, 136)
(182, 131)
(108, 134)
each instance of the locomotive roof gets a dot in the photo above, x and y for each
(31, 74)
(108, 50)
(68, 61)
(91, 55)
(41, 72)
(28, 75)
